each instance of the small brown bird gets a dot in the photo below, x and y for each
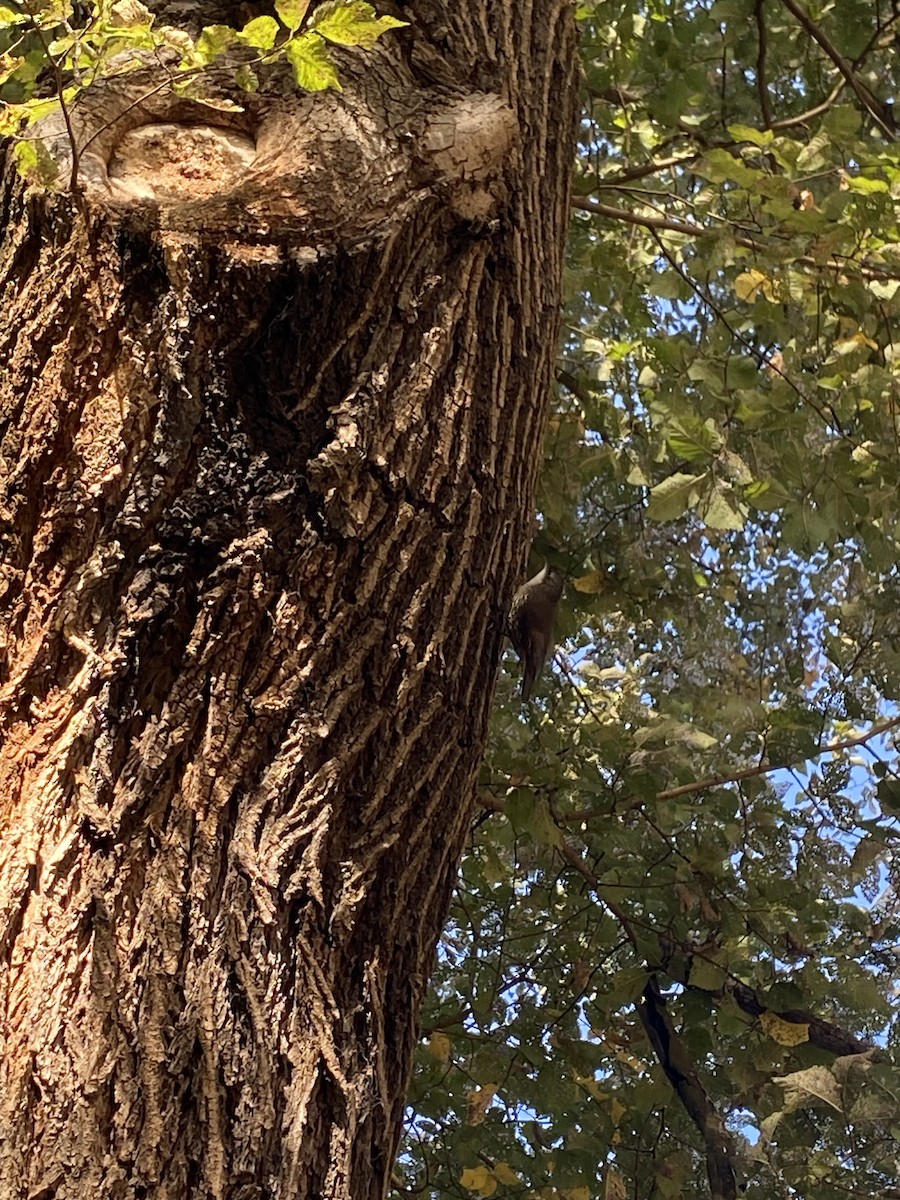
(531, 617)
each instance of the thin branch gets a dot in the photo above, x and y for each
(765, 768)
(824, 1034)
(761, 357)
(762, 35)
(811, 113)
(64, 108)
(714, 781)
(721, 1155)
(446, 1022)
(878, 111)
(617, 95)
(821, 1033)
(614, 213)
(878, 32)
(645, 169)
(569, 855)
(582, 695)
(838, 90)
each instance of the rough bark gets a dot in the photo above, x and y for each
(274, 391)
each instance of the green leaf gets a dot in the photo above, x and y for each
(721, 167)
(543, 828)
(351, 23)
(260, 33)
(868, 187)
(245, 77)
(693, 439)
(723, 510)
(889, 795)
(12, 118)
(766, 495)
(674, 496)
(707, 975)
(746, 133)
(843, 122)
(741, 372)
(9, 16)
(313, 69)
(35, 110)
(624, 987)
(812, 156)
(213, 41)
(292, 12)
(33, 161)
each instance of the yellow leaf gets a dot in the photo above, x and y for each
(749, 283)
(848, 344)
(478, 1179)
(590, 1084)
(590, 584)
(478, 1102)
(439, 1046)
(785, 1033)
(629, 1060)
(775, 363)
(581, 974)
(810, 1089)
(504, 1173)
(614, 1186)
(617, 1110)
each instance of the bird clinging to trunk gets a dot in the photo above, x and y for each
(531, 617)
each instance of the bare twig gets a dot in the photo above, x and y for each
(765, 768)
(64, 108)
(761, 357)
(645, 169)
(811, 113)
(615, 213)
(134, 104)
(569, 855)
(880, 112)
(714, 781)
(618, 95)
(673, 1056)
(762, 36)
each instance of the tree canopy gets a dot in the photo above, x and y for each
(672, 961)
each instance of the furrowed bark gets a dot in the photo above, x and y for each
(275, 385)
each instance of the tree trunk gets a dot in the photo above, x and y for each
(275, 389)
